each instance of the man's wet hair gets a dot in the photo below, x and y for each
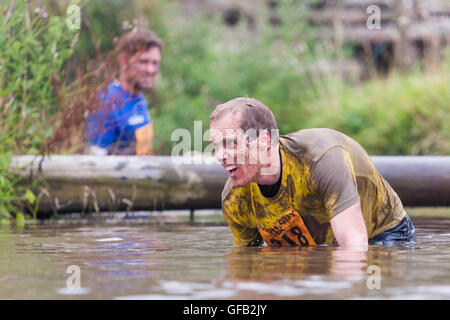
(253, 115)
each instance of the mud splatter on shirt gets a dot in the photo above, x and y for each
(324, 173)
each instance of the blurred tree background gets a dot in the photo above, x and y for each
(214, 51)
(217, 50)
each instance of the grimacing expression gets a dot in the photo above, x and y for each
(143, 67)
(234, 151)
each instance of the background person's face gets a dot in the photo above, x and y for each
(142, 68)
(232, 150)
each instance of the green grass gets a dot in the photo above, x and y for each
(212, 218)
(435, 212)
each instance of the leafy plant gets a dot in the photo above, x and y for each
(34, 48)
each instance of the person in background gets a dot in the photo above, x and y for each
(123, 125)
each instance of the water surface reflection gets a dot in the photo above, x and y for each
(195, 261)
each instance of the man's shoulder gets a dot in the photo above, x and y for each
(114, 92)
(111, 90)
(119, 103)
(311, 144)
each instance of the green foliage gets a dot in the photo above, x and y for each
(104, 21)
(20, 219)
(206, 63)
(400, 115)
(7, 187)
(104, 24)
(34, 49)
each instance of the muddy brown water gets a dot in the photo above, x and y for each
(198, 261)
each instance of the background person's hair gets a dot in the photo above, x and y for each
(139, 40)
(253, 114)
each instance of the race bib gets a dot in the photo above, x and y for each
(289, 230)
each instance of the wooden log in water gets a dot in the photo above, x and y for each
(418, 180)
(118, 183)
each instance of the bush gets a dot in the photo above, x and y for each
(400, 115)
(34, 48)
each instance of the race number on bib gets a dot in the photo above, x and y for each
(289, 230)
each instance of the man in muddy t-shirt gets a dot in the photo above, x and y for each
(308, 187)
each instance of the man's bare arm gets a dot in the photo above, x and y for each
(144, 140)
(349, 228)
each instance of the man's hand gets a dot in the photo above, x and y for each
(144, 140)
(349, 228)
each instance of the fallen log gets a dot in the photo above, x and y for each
(122, 183)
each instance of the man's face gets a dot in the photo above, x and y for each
(142, 68)
(234, 151)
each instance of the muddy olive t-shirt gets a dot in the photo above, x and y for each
(324, 173)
